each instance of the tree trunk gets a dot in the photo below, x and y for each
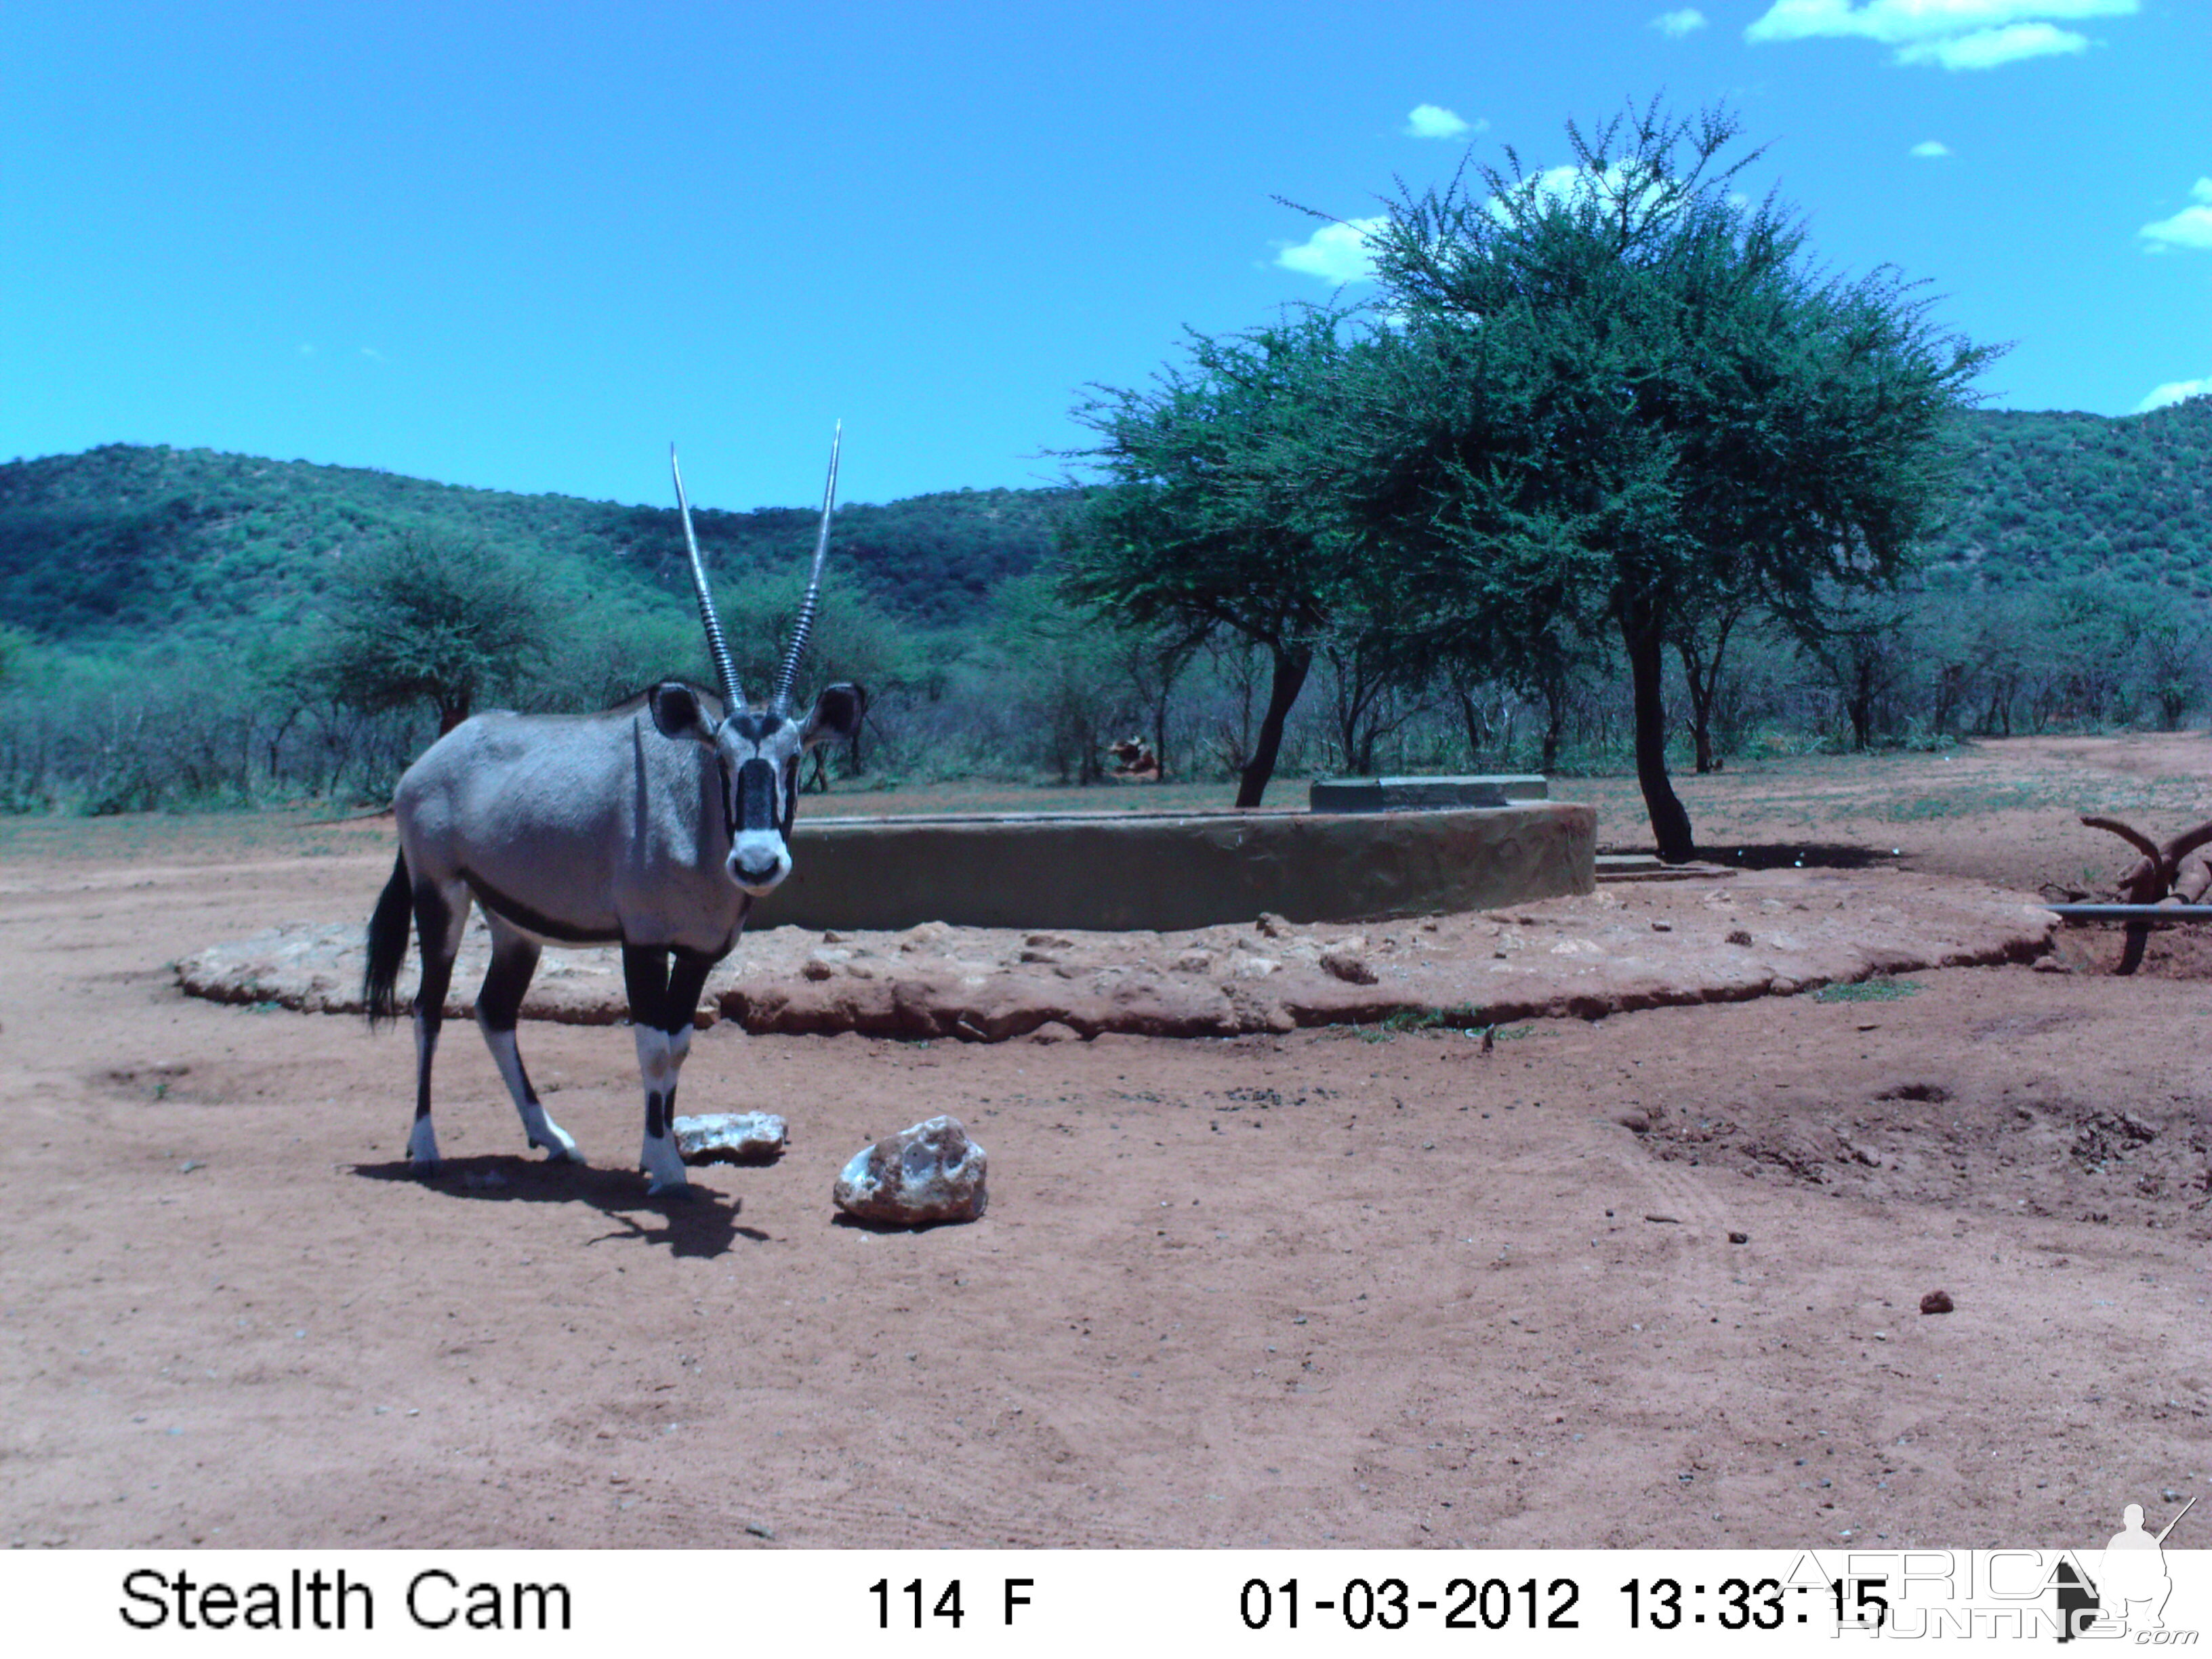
(1703, 674)
(1293, 664)
(1701, 732)
(1641, 631)
(1477, 728)
(1555, 720)
(1861, 710)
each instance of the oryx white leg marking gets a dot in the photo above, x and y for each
(430, 1011)
(541, 1130)
(423, 1144)
(660, 1058)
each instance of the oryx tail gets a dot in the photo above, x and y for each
(387, 947)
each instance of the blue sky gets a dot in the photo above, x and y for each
(524, 246)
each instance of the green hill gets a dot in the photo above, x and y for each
(125, 540)
(2046, 496)
(122, 541)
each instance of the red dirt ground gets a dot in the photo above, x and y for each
(1332, 1288)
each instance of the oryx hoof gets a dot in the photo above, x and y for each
(662, 1169)
(673, 1187)
(562, 1151)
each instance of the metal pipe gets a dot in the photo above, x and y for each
(2130, 912)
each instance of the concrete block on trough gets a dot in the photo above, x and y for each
(1425, 794)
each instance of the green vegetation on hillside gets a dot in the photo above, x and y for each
(167, 620)
(2050, 497)
(123, 542)
(131, 541)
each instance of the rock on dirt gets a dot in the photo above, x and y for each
(928, 1173)
(1936, 1302)
(731, 1138)
(1347, 964)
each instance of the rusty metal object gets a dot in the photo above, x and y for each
(2156, 886)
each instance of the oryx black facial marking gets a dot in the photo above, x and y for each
(756, 793)
(655, 824)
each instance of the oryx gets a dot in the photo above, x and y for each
(653, 825)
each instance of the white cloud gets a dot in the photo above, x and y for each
(1989, 48)
(1957, 34)
(1335, 254)
(2191, 228)
(1929, 149)
(1676, 24)
(1435, 121)
(2174, 392)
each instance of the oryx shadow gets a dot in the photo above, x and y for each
(698, 1222)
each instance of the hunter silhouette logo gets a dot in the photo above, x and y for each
(2131, 1583)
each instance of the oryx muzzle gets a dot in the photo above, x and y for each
(653, 826)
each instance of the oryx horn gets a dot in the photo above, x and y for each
(779, 700)
(733, 699)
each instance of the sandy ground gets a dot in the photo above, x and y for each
(1333, 1286)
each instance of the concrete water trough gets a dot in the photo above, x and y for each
(1121, 871)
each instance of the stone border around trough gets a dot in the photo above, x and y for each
(1625, 946)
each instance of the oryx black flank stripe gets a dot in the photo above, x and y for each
(568, 933)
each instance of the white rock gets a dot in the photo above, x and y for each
(729, 1136)
(931, 1172)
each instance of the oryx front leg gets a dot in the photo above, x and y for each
(659, 1059)
(661, 1003)
(441, 913)
(499, 1003)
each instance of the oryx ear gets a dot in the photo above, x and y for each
(676, 712)
(836, 714)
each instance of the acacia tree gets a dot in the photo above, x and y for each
(1213, 518)
(426, 621)
(1621, 395)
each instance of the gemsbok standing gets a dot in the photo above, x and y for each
(653, 825)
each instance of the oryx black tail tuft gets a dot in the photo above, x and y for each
(388, 947)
